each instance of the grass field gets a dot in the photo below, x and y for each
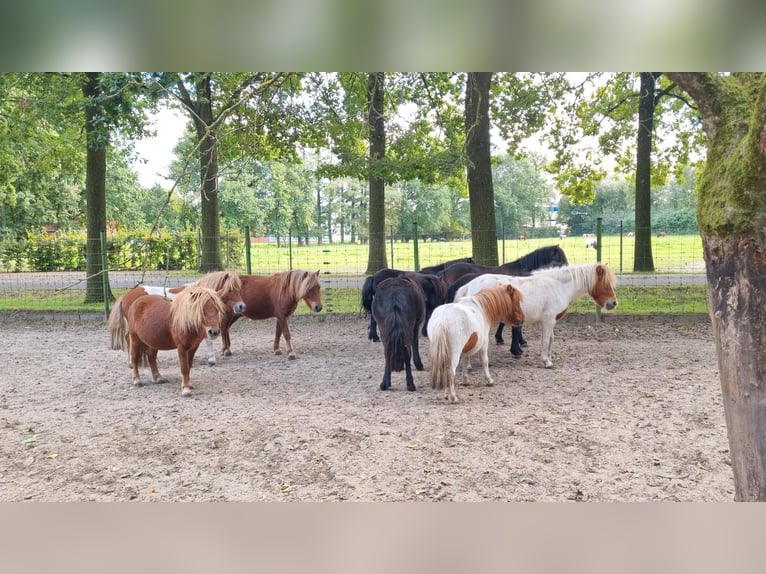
(672, 254)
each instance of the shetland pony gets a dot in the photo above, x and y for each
(549, 292)
(227, 284)
(550, 256)
(434, 292)
(400, 310)
(434, 269)
(277, 296)
(459, 330)
(156, 324)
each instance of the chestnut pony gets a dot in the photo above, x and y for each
(277, 296)
(156, 324)
(461, 329)
(226, 283)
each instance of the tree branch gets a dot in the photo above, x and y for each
(705, 89)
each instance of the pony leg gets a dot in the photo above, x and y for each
(547, 344)
(416, 351)
(499, 334)
(373, 331)
(151, 354)
(485, 366)
(284, 331)
(408, 375)
(210, 351)
(135, 359)
(386, 382)
(226, 337)
(185, 359)
(516, 341)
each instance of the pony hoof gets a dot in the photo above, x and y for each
(291, 356)
(186, 392)
(411, 387)
(227, 353)
(548, 365)
(278, 351)
(137, 383)
(211, 362)
(160, 380)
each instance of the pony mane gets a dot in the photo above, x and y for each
(187, 309)
(495, 303)
(297, 283)
(221, 281)
(541, 257)
(586, 274)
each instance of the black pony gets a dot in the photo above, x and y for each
(434, 269)
(400, 310)
(433, 288)
(550, 256)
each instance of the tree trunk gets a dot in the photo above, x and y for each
(377, 246)
(95, 189)
(481, 194)
(642, 255)
(731, 214)
(210, 222)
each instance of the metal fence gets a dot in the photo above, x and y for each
(678, 263)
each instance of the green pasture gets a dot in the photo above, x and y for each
(672, 254)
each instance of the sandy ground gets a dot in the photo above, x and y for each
(630, 412)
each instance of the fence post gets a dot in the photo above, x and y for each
(290, 245)
(598, 258)
(621, 230)
(415, 245)
(247, 250)
(392, 247)
(104, 274)
(502, 226)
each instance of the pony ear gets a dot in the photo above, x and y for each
(317, 273)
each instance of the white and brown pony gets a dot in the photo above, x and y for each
(157, 324)
(226, 283)
(549, 292)
(277, 296)
(460, 330)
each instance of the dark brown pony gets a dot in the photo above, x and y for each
(399, 308)
(434, 292)
(550, 256)
(433, 269)
(157, 324)
(277, 296)
(226, 283)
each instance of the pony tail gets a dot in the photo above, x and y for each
(118, 327)
(397, 353)
(441, 362)
(367, 294)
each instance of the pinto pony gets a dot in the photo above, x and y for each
(227, 284)
(157, 324)
(550, 256)
(399, 308)
(459, 330)
(277, 296)
(433, 287)
(549, 292)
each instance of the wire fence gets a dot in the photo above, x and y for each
(52, 276)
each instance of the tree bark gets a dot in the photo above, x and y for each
(481, 193)
(731, 214)
(377, 228)
(642, 255)
(95, 189)
(210, 221)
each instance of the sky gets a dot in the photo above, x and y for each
(155, 154)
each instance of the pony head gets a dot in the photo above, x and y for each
(602, 289)
(198, 308)
(228, 286)
(307, 287)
